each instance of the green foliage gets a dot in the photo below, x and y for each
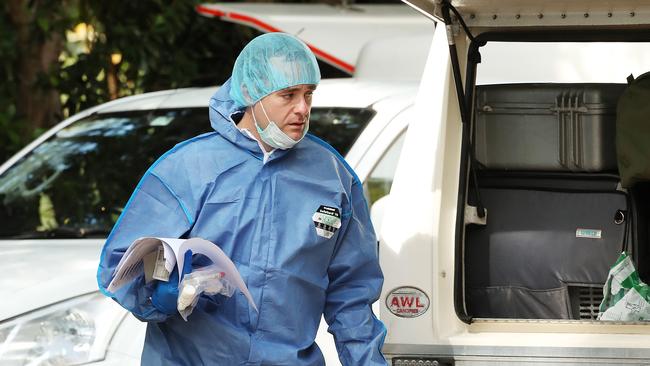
(9, 128)
(162, 44)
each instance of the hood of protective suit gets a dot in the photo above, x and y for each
(224, 114)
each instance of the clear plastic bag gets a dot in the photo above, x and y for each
(207, 280)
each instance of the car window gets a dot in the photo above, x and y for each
(340, 127)
(381, 178)
(76, 183)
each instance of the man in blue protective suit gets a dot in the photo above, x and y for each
(283, 205)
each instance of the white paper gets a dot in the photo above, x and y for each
(632, 307)
(620, 273)
(130, 266)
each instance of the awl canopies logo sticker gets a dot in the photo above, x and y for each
(407, 302)
(327, 221)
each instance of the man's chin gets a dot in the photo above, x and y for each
(295, 135)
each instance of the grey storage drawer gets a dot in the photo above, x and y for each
(535, 243)
(547, 127)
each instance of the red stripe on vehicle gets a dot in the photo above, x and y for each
(203, 10)
(254, 22)
(265, 27)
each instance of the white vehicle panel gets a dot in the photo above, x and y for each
(335, 34)
(385, 137)
(42, 272)
(385, 114)
(420, 216)
(409, 239)
(492, 15)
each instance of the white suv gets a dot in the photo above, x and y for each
(61, 195)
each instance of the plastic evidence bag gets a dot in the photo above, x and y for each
(209, 280)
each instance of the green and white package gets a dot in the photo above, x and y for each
(625, 296)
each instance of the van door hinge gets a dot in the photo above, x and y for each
(453, 30)
(472, 217)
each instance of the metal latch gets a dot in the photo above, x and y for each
(472, 217)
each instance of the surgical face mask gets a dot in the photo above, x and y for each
(273, 136)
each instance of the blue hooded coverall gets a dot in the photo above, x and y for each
(217, 187)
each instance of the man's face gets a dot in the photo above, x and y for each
(289, 108)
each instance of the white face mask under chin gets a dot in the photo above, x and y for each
(273, 136)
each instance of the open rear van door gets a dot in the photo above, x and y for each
(507, 210)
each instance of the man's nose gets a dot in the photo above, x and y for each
(302, 106)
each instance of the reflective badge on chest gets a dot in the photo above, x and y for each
(327, 220)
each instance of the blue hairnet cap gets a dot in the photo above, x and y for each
(269, 63)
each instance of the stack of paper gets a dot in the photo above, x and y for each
(131, 264)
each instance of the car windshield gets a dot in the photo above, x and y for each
(77, 183)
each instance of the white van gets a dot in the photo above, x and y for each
(506, 212)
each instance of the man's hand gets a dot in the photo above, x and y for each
(165, 294)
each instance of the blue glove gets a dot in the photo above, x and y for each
(165, 294)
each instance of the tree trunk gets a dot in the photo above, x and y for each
(111, 79)
(37, 104)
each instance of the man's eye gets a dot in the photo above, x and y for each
(287, 96)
